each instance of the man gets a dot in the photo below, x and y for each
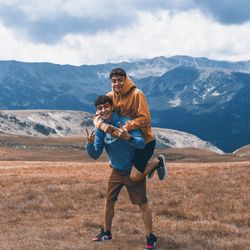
(121, 154)
(129, 101)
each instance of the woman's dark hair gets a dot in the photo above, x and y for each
(102, 99)
(117, 72)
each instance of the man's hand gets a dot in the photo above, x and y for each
(107, 128)
(97, 120)
(99, 123)
(90, 137)
(122, 134)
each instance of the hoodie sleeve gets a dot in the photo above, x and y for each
(141, 111)
(137, 140)
(95, 150)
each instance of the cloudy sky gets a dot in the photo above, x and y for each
(98, 31)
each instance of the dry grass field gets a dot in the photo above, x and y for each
(52, 197)
(59, 205)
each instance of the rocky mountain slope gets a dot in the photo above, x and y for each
(44, 122)
(53, 123)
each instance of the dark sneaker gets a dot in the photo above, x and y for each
(151, 174)
(102, 236)
(161, 168)
(151, 242)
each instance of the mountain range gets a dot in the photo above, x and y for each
(61, 123)
(208, 98)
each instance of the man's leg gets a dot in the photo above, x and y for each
(141, 161)
(142, 167)
(109, 214)
(136, 175)
(105, 233)
(147, 218)
(114, 188)
(138, 196)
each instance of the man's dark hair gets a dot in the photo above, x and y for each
(102, 99)
(117, 72)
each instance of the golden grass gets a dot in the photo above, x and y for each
(59, 205)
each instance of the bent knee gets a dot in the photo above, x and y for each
(136, 177)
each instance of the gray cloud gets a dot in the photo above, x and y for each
(50, 29)
(226, 11)
(223, 11)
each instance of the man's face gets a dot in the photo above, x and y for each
(104, 110)
(117, 83)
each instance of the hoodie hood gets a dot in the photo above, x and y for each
(127, 88)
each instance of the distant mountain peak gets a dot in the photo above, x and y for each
(208, 98)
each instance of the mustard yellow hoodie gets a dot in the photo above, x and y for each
(131, 102)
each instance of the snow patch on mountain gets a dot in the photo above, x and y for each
(148, 71)
(175, 102)
(216, 93)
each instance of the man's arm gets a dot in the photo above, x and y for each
(94, 146)
(134, 137)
